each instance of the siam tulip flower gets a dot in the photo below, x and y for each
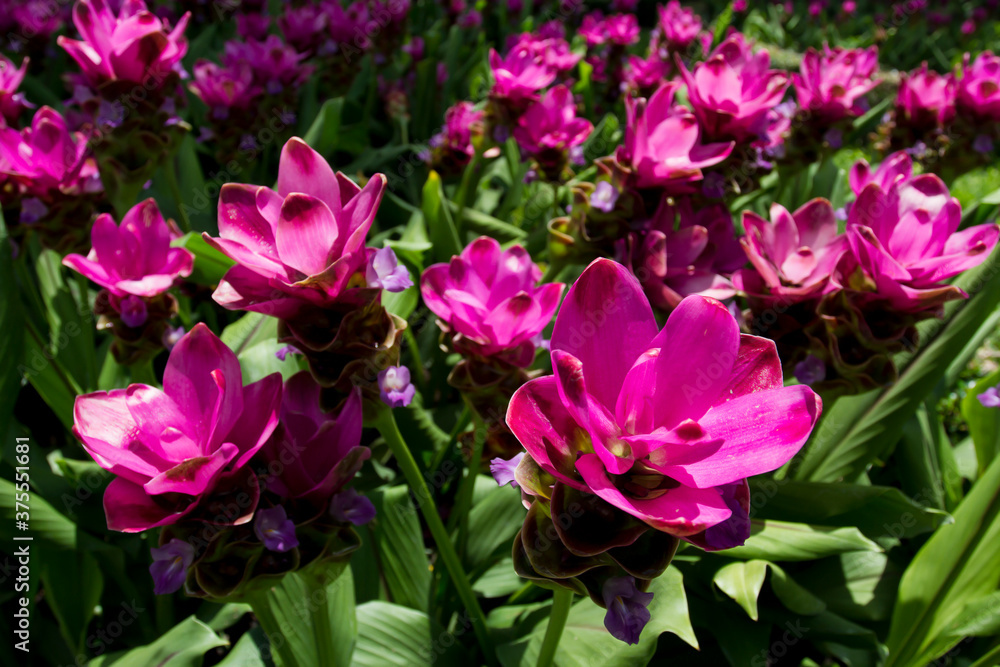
(414, 48)
(549, 129)
(832, 84)
(926, 99)
(519, 76)
(979, 88)
(273, 527)
(12, 103)
(893, 169)
(253, 26)
(627, 613)
(487, 298)
(732, 92)
(554, 50)
(793, 255)
(453, 144)
(552, 29)
(684, 252)
(622, 29)
(678, 25)
(395, 387)
(304, 27)
(134, 47)
(990, 398)
(48, 160)
(592, 29)
(276, 66)
(169, 567)
(645, 75)
(303, 244)
(663, 143)
(135, 258)
(313, 454)
(905, 241)
(385, 272)
(224, 88)
(470, 20)
(664, 425)
(349, 506)
(171, 449)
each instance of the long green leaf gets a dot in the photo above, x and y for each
(389, 634)
(984, 423)
(73, 585)
(784, 541)
(183, 646)
(400, 543)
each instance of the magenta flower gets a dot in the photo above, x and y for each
(645, 74)
(832, 84)
(926, 99)
(622, 29)
(667, 425)
(906, 241)
(685, 252)
(395, 388)
(304, 27)
(273, 527)
(979, 87)
(554, 50)
(551, 126)
(793, 255)
(169, 449)
(592, 29)
(253, 26)
(135, 258)
(313, 454)
(627, 613)
(134, 47)
(12, 103)
(663, 143)
(224, 88)
(893, 169)
(489, 299)
(455, 138)
(169, 566)
(276, 66)
(678, 25)
(519, 76)
(47, 159)
(733, 90)
(300, 245)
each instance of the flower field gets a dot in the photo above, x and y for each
(499, 332)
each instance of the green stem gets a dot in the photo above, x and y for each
(164, 613)
(175, 192)
(463, 421)
(460, 513)
(562, 601)
(386, 425)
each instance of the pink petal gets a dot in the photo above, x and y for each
(130, 509)
(195, 476)
(306, 232)
(303, 170)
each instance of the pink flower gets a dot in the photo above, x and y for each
(135, 258)
(134, 47)
(170, 449)
(551, 124)
(276, 66)
(313, 454)
(926, 99)
(732, 92)
(646, 74)
(793, 255)
(304, 27)
(47, 158)
(622, 29)
(489, 298)
(12, 103)
(456, 135)
(224, 88)
(555, 51)
(906, 242)
(979, 87)
(686, 252)
(893, 169)
(663, 143)
(833, 84)
(520, 75)
(300, 245)
(678, 25)
(664, 425)
(592, 29)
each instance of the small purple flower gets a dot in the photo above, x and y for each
(349, 506)
(577, 156)
(33, 210)
(172, 336)
(810, 370)
(990, 398)
(248, 143)
(503, 469)
(840, 213)
(627, 613)
(604, 196)
(275, 529)
(714, 185)
(395, 387)
(917, 149)
(834, 137)
(385, 272)
(283, 353)
(982, 144)
(110, 114)
(170, 564)
(133, 311)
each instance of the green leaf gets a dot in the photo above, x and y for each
(784, 541)
(793, 595)
(498, 581)
(984, 423)
(586, 642)
(742, 582)
(400, 543)
(957, 566)
(324, 132)
(441, 227)
(209, 264)
(73, 583)
(198, 201)
(493, 521)
(51, 383)
(859, 429)
(183, 646)
(71, 325)
(980, 618)
(860, 585)
(486, 224)
(250, 651)
(249, 330)
(47, 526)
(261, 360)
(222, 616)
(875, 510)
(389, 634)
